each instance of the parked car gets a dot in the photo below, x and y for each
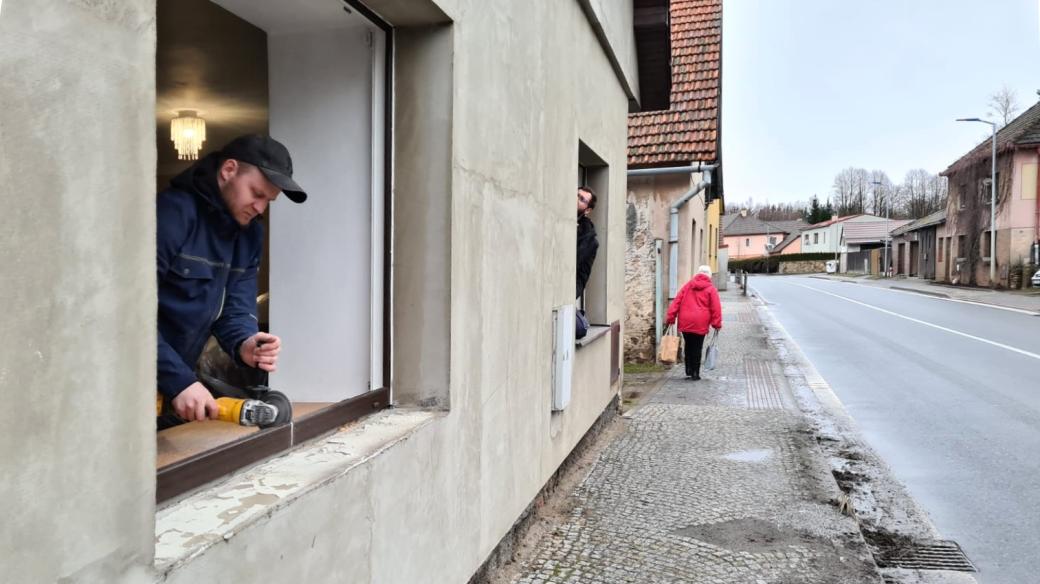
(1036, 276)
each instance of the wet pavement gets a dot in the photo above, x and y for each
(718, 480)
(946, 393)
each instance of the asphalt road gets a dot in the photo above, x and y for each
(947, 393)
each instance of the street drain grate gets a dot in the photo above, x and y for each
(937, 555)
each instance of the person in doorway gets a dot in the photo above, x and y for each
(208, 246)
(587, 242)
(696, 307)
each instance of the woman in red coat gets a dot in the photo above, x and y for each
(697, 307)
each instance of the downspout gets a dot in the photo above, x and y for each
(658, 305)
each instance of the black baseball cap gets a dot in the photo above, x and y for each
(271, 157)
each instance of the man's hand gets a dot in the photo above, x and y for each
(261, 351)
(195, 403)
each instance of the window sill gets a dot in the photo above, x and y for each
(595, 333)
(187, 528)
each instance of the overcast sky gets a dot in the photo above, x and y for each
(813, 86)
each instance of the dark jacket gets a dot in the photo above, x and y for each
(587, 246)
(696, 306)
(206, 265)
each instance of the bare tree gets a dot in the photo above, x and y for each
(938, 190)
(882, 192)
(1004, 105)
(922, 193)
(850, 191)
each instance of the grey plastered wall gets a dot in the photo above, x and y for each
(422, 215)
(489, 113)
(528, 81)
(77, 354)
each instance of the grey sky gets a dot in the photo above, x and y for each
(813, 86)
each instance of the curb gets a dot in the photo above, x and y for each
(916, 291)
(835, 279)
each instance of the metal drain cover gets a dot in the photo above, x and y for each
(933, 555)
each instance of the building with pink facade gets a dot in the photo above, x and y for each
(747, 236)
(964, 240)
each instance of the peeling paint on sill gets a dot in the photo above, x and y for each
(187, 528)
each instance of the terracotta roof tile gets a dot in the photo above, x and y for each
(688, 131)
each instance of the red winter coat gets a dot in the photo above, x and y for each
(697, 306)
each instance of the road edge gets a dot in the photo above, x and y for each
(882, 505)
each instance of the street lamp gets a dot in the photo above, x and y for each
(992, 202)
(876, 184)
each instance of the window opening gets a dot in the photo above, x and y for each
(321, 277)
(594, 174)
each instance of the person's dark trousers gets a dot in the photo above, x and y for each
(693, 349)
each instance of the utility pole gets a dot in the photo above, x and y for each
(884, 266)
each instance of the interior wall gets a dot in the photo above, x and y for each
(321, 109)
(209, 60)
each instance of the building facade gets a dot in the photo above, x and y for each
(915, 246)
(966, 233)
(746, 236)
(462, 266)
(665, 247)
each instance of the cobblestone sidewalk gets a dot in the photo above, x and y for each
(714, 481)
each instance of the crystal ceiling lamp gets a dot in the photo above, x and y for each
(188, 131)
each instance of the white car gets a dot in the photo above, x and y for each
(1036, 277)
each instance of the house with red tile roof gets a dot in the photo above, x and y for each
(675, 194)
(825, 237)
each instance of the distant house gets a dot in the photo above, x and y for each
(790, 245)
(965, 236)
(749, 237)
(916, 252)
(825, 237)
(859, 241)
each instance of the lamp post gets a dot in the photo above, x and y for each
(992, 201)
(876, 184)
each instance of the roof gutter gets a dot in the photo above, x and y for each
(692, 168)
(695, 167)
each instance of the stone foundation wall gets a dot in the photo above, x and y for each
(806, 267)
(639, 281)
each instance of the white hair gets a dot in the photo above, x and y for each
(704, 270)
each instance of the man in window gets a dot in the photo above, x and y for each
(587, 242)
(209, 242)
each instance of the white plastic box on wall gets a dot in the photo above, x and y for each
(563, 356)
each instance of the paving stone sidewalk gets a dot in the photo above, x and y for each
(714, 481)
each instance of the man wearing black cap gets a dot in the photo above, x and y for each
(209, 244)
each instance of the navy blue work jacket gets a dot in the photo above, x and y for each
(207, 265)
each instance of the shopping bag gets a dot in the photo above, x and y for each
(581, 324)
(711, 357)
(669, 346)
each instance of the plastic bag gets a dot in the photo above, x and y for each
(711, 357)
